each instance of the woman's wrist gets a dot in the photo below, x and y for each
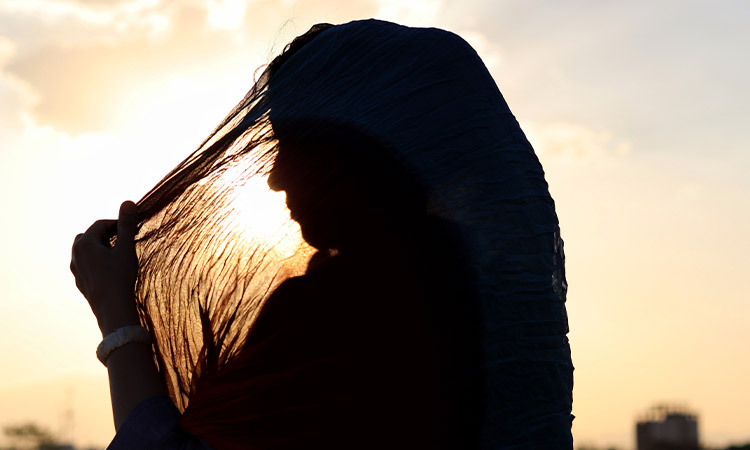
(121, 337)
(115, 318)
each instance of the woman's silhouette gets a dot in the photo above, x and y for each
(431, 314)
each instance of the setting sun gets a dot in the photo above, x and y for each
(266, 218)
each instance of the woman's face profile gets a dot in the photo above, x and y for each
(319, 194)
(342, 187)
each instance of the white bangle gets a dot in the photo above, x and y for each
(118, 338)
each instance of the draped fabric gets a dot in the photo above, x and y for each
(209, 264)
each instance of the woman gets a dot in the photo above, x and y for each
(431, 314)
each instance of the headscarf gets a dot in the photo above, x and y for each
(428, 97)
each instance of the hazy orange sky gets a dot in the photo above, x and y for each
(638, 111)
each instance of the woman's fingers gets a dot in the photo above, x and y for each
(106, 276)
(102, 230)
(99, 229)
(127, 224)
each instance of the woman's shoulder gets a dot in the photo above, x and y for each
(323, 270)
(302, 297)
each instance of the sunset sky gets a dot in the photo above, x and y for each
(639, 111)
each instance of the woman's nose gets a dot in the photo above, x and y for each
(274, 179)
(278, 178)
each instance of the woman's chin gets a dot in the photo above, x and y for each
(320, 239)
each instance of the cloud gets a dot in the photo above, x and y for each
(672, 80)
(414, 12)
(227, 14)
(88, 59)
(574, 141)
(490, 52)
(14, 94)
(80, 88)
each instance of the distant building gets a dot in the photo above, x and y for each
(667, 427)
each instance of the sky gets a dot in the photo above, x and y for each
(637, 110)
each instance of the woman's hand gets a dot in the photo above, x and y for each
(106, 274)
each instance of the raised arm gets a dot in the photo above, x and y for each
(106, 276)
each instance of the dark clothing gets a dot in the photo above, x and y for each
(155, 424)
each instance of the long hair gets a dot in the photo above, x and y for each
(486, 245)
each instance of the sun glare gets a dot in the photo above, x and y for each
(261, 214)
